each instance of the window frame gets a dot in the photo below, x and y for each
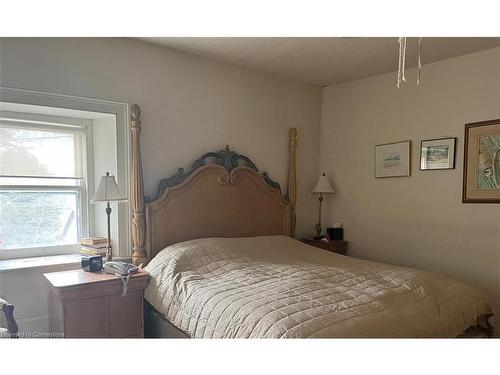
(13, 98)
(85, 220)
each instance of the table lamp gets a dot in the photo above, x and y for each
(107, 191)
(322, 187)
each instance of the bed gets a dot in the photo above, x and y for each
(218, 241)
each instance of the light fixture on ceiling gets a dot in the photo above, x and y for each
(402, 61)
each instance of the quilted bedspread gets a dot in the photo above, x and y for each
(278, 287)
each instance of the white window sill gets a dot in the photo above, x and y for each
(38, 262)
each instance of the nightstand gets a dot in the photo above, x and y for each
(335, 246)
(89, 304)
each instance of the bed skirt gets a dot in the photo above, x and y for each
(158, 326)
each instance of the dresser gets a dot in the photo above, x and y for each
(90, 304)
(335, 246)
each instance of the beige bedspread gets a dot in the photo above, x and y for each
(279, 287)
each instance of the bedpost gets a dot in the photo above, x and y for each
(137, 192)
(292, 177)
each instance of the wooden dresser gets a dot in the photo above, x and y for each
(89, 304)
(335, 246)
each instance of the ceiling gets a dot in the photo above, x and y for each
(324, 61)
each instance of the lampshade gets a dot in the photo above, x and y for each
(107, 190)
(323, 186)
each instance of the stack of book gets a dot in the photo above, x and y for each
(94, 246)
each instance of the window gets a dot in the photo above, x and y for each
(46, 186)
(43, 187)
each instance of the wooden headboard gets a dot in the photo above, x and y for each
(222, 195)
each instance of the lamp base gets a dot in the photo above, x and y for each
(109, 254)
(318, 229)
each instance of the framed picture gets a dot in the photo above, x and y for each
(393, 159)
(437, 153)
(482, 162)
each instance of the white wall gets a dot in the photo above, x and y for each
(416, 221)
(190, 105)
(104, 156)
(26, 289)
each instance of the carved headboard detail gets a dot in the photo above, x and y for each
(221, 195)
(226, 158)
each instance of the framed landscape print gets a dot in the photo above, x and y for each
(437, 154)
(392, 159)
(482, 162)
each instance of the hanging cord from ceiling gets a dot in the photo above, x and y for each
(402, 42)
(401, 60)
(419, 61)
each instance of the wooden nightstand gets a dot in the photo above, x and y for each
(336, 246)
(89, 304)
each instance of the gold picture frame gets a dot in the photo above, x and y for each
(481, 177)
